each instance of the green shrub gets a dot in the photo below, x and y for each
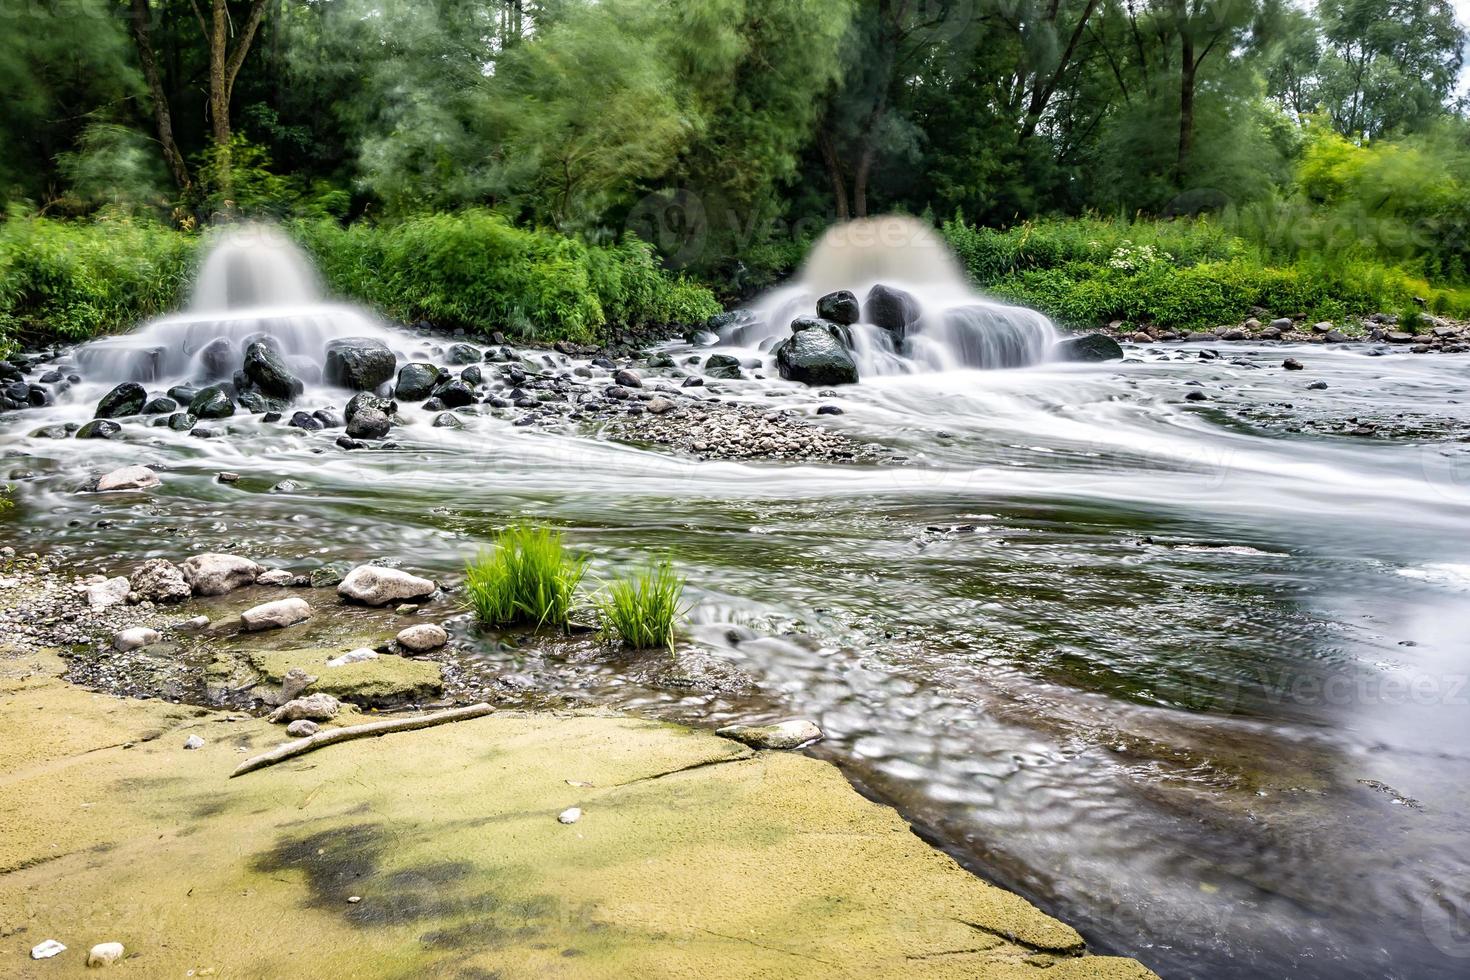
(529, 578)
(641, 611)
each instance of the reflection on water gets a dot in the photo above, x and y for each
(1190, 679)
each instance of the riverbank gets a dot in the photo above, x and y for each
(440, 853)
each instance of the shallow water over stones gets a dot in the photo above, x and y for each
(1189, 674)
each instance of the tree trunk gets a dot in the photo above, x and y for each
(219, 98)
(834, 172)
(1187, 68)
(162, 117)
(860, 181)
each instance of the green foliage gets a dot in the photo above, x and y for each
(641, 611)
(75, 279)
(529, 578)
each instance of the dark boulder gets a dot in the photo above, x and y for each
(368, 422)
(266, 370)
(448, 420)
(1091, 347)
(840, 307)
(99, 429)
(160, 406)
(302, 420)
(181, 421)
(127, 398)
(724, 367)
(212, 403)
(368, 400)
(360, 363)
(815, 357)
(259, 403)
(329, 418)
(183, 394)
(217, 359)
(628, 379)
(892, 309)
(472, 375)
(837, 330)
(463, 354)
(454, 393)
(415, 380)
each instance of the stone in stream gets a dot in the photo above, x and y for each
(212, 403)
(453, 393)
(815, 357)
(108, 593)
(1292, 364)
(415, 380)
(313, 707)
(361, 363)
(275, 615)
(785, 735)
(105, 954)
(302, 728)
(128, 478)
(159, 580)
(217, 358)
(266, 369)
(368, 423)
(374, 585)
(329, 418)
(213, 573)
(628, 379)
(301, 420)
(99, 429)
(463, 354)
(367, 399)
(182, 421)
(472, 375)
(160, 406)
(839, 307)
(275, 576)
(659, 406)
(135, 638)
(892, 309)
(329, 574)
(447, 420)
(423, 637)
(127, 398)
(723, 367)
(1092, 347)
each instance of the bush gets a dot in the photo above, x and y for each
(641, 611)
(528, 578)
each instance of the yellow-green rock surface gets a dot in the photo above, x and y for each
(694, 856)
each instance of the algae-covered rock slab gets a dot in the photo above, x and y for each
(438, 853)
(385, 680)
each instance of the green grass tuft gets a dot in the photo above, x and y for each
(529, 577)
(641, 611)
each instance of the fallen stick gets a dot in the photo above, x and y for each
(335, 735)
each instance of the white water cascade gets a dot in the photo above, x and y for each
(254, 283)
(954, 326)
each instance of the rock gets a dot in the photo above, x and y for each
(659, 406)
(368, 423)
(368, 400)
(892, 309)
(1281, 324)
(135, 638)
(191, 625)
(329, 574)
(415, 380)
(267, 370)
(302, 728)
(463, 354)
(628, 379)
(127, 398)
(1141, 338)
(374, 585)
(785, 735)
(182, 421)
(1089, 348)
(839, 307)
(424, 636)
(128, 478)
(293, 682)
(815, 358)
(99, 429)
(1322, 327)
(1196, 396)
(160, 406)
(1292, 364)
(447, 420)
(724, 367)
(829, 410)
(159, 580)
(358, 656)
(46, 950)
(360, 363)
(1399, 337)
(217, 358)
(193, 743)
(1234, 333)
(380, 681)
(216, 574)
(303, 420)
(108, 593)
(472, 375)
(453, 393)
(275, 615)
(1317, 386)
(313, 707)
(212, 403)
(105, 954)
(275, 576)
(570, 815)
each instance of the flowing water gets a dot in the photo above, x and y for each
(1190, 675)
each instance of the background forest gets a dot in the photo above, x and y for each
(556, 168)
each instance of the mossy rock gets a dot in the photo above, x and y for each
(387, 680)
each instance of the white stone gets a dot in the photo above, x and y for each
(275, 576)
(129, 478)
(193, 742)
(105, 954)
(215, 574)
(570, 815)
(375, 585)
(108, 592)
(424, 636)
(134, 638)
(192, 625)
(160, 581)
(275, 615)
(313, 707)
(46, 950)
(357, 656)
